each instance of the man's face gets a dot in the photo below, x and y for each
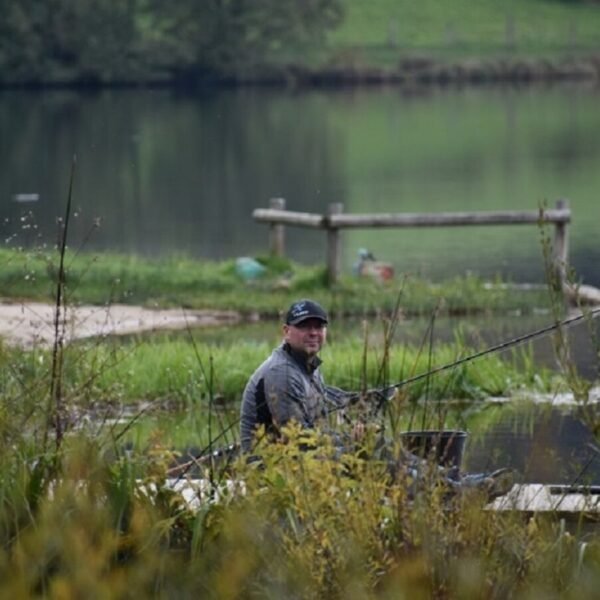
(307, 336)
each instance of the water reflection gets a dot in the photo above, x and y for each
(169, 173)
(543, 444)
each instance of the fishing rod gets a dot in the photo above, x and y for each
(382, 392)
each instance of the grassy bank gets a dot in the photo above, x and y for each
(181, 371)
(181, 282)
(251, 44)
(389, 41)
(457, 28)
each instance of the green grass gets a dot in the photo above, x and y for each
(180, 282)
(381, 29)
(184, 371)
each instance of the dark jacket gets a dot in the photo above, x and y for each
(286, 386)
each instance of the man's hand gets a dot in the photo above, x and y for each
(358, 431)
(374, 395)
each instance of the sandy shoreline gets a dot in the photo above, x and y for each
(31, 324)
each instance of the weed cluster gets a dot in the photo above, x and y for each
(88, 523)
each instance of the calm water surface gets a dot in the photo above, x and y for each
(168, 173)
(542, 445)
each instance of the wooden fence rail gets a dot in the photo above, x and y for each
(335, 220)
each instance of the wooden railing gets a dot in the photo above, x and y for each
(278, 217)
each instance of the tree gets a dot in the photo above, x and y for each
(108, 40)
(225, 35)
(63, 40)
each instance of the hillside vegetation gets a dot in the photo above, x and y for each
(144, 41)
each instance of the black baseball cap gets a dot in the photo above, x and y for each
(305, 309)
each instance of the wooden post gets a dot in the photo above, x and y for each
(277, 231)
(510, 29)
(561, 248)
(334, 246)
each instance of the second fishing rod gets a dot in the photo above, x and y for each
(384, 392)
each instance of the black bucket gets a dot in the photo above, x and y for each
(445, 447)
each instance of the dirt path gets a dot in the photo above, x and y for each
(29, 324)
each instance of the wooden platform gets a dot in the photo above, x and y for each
(196, 492)
(568, 501)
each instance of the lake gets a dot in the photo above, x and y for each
(166, 172)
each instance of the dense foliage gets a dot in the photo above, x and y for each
(302, 526)
(112, 41)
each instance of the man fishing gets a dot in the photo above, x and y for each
(288, 386)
